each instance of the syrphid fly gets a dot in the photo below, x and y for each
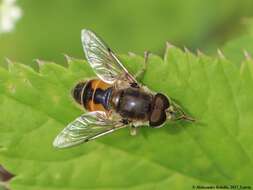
(114, 100)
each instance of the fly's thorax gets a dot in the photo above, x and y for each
(132, 103)
(115, 98)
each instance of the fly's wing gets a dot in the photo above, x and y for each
(103, 61)
(84, 128)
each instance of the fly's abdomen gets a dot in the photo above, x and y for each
(134, 104)
(102, 97)
(96, 96)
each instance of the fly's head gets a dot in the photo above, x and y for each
(163, 109)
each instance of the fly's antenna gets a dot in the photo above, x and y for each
(181, 114)
(185, 117)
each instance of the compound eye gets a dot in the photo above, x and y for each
(157, 118)
(163, 99)
(158, 115)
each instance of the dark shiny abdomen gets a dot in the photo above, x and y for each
(134, 104)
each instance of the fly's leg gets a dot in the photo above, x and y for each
(133, 130)
(140, 74)
(125, 121)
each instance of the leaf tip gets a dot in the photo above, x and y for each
(169, 45)
(220, 54)
(8, 60)
(10, 63)
(68, 58)
(40, 63)
(199, 52)
(131, 54)
(247, 55)
(186, 50)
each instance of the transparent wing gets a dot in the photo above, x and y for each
(103, 61)
(84, 128)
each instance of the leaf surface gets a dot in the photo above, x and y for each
(217, 149)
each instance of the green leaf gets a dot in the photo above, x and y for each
(217, 149)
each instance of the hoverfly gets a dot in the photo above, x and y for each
(115, 100)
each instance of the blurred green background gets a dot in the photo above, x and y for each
(50, 28)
